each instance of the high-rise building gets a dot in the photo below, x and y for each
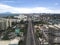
(5, 23)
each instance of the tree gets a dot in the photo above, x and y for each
(5, 37)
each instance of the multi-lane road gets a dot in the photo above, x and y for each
(30, 35)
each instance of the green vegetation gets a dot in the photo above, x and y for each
(5, 37)
(40, 22)
(20, 42)
(39, 34)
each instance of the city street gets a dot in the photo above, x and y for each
(30, 35)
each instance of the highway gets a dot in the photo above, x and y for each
(30, 35)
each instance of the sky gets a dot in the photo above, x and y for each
(30, 6)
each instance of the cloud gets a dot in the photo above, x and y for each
(6, 8)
